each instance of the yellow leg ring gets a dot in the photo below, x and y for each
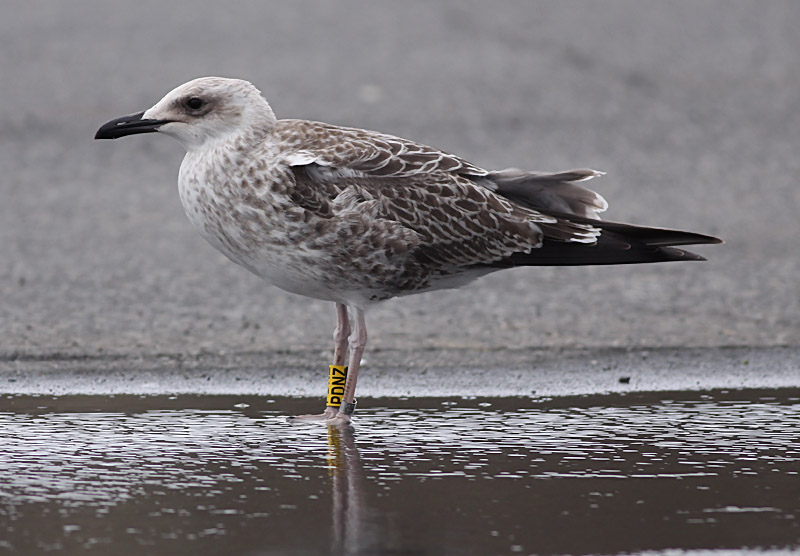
(337, 376)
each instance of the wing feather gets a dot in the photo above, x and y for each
(443, 199)
(348, 150)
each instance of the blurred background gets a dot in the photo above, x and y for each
(692, 108)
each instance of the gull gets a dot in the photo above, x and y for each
(357, 217)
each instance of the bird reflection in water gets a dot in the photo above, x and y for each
(344, 468)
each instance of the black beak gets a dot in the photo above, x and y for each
(128, 125)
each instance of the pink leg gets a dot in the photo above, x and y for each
(358, 341)
(340, 337)
(341, 334)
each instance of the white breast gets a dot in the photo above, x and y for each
(252, 234)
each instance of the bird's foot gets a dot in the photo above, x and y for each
(329, 413)
(338, 420)
(332, 417)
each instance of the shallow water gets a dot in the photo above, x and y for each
(228, 475)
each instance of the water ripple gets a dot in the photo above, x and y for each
(226, 461)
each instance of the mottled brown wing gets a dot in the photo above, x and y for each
(459, 222)
(341, 151)
(456, 224)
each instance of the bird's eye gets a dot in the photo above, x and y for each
(195, 103)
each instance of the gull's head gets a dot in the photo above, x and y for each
(199, 113)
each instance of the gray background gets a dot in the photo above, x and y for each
(693, 109)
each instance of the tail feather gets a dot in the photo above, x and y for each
(549, 192)
(559, 195)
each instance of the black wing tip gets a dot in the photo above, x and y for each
(692, 238)
(658, 237)
(675, 254)
(610, 249)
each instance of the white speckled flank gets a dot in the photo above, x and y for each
(355, 216)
